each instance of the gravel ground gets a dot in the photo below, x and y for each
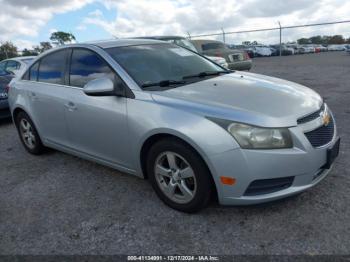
(59, 204)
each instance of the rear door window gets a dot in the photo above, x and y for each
(52, 66)
(85, 66)
(33, 72)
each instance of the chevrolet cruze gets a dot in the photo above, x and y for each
(164, 113)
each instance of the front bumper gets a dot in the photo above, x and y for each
(304, 163)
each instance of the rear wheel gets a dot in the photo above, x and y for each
(28, 134)
(179, 176)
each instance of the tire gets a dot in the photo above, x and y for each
(27, 132)
(184, 183)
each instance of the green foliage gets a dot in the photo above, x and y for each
(27, 52)
(44, 46)
(323, 40)
(8, 50)
(62, 38)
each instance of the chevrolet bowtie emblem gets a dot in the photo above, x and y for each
(325, 118)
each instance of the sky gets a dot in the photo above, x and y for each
(28, 22)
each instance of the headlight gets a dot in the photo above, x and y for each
(253, 137)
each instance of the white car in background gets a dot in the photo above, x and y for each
(308, 49)
(336, 48)
(16, 65)
(261, 50)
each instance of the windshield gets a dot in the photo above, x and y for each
(160, 62)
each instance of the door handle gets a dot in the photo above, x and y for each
(70, 106)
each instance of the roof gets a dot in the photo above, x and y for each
(162, 37)
(20, 58)
(123, 42)
(205, 41)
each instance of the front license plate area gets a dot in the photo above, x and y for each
(332, 153)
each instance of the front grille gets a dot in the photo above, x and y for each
(267, 186)
(322, 135)
(310, 117)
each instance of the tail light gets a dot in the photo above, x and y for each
(7, 89)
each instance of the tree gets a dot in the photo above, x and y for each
(336, 39)
(303, 41)
(62, 38)
(42, 47)
(27, 52)
(317, 40)
(8, 50)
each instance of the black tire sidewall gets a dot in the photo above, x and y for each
(39, 148)
(201, 171)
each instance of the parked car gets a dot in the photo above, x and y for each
(183, 42)
(274, 51)
(5, 79)
(165, 113)
(308, 49)
(284, 50)
(347, 49)
(261, 50)
(16, 65)
(294, 47)
(10, 68)
(236, 59)
(336, 48)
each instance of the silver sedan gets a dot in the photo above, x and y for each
(189, 126)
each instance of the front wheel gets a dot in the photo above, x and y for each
(179, 176)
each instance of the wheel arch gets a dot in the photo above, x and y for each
(154, 138)
(17, 110)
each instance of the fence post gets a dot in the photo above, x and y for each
(280, 37)
(223, 35)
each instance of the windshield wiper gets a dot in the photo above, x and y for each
(164, 83)
(207, 73)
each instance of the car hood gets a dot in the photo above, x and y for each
(244, 97)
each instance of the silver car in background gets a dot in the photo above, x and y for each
(16, 65)
(162, 112)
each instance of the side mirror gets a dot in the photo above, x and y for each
(102, 87)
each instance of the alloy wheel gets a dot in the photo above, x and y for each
(175, 177)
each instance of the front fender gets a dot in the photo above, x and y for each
(147, 118)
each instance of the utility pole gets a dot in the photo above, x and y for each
(223, 35)
(280, 37)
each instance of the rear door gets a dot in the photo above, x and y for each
(47, 95)
(97, 125)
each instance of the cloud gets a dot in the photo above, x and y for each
(24, 18)
(147, 17)
(21, 19)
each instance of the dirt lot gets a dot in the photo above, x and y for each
(59, 204)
